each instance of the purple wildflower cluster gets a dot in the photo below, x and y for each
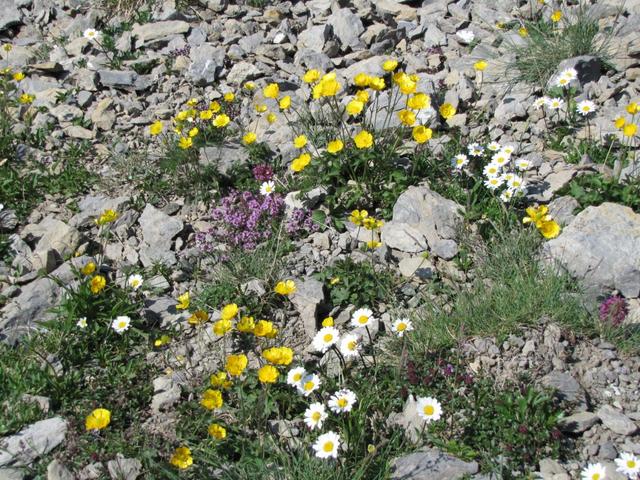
(242, 220)
(300, 221)
(614, 310)
(262, 173)
(177, 52)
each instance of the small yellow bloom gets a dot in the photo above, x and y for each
(370, 223)
(246, 324)
(217, 431)
(215, 107)
(221, 327)
(271, 118)
(229, 311)
(354, 107)
(271, 91)
(335, 146)
(377, 83)
(407, 117)
(549, 229)
(185, 143)
(250, 86)
(408, 86)
(98, 419)
(219, 379)
(419, 101)
(361, 80)
(236, 364)
(184, 301)
(300, 141)
(358, 216)
(328, 86)
(182, 116)
(18, 76)
(480, 65)
(162, 341)
(556, 16)
(373, 244)
(633, 108)
(211, 399)
(363, 139)
(264, 329)
(221, 120)
(285, 287)
(198, 317)
(261, 108)
(300, 163)
(156, 128)
(249, 138)
(422, 134)
(619, 122)
(311, 76)
(328, 322)
(278, 355)
(192, 102)
(447, 111)
(206, 114)
(629, 130)
(182, 458)
(268, 374)
(193, 132)
(25, 98)
(537, 215)
(285, 102)
(523, 32)
(389, 65)
(7, 47)
(97, 284)
(88, 269)
(362, 96)
(229, 97)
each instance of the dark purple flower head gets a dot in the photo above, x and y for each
(614, 310)
(262, 173)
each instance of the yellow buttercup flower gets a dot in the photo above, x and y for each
(523, 32)
(221, 327)
(236, 364)
(265, 329)
(363, 139)
(377, 83)
(300, 141)
(373, 244)
(447, 111)
(206, 114)
(361, 80)
(184, 301)
(328, 86)
(311, 76)
(198, 317)
(250, 86)
(271, 118)
(480, 65)
(215, 107)
(229, 311)
(193, 132)
(268, 374)
(217, 431)
(285, 102)
(271, 91)
(408, 86)
(556, 16)
(362, 96)
(261, 108)
(354, 107)
(537, 215)
(335, 146)
(107, 216)
(98, 419)
(278, 355)
(246, 325)
(219, 379)
(156, 128)
(300, 163)
(192, 102)
(549, 229)
(181, 458)
(249, 138)
(358, 216)
(162, 341)
(633, 108)
(619, 122)
(630, 130)
(229, 97)
(422, 134)
(407, 117)
(18, 76)
(7, 47)
(285, 287)
(97, 284)
(88, 269)
(185, 143)
(221, 120)
(419, 101)
(389, 65)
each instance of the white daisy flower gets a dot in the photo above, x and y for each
(459, 161)
(134, 281)
(82, 322)
(315, 415)
(349, 345)
(563, 82)
(586, 107)
(362, 317)
(523, 164)
(325, 339)
(540, 102)
(121, 324)
(295, 375)
(1, 207)
(342, 401)
(475, 149)
(429, 409)
(570, 73)
(506, 196)
(309, 384)
(494, 146)
(508, 149)
(555, 103)
(493, 183)
(327, 445)
(267, 188)
(594, 471)
(628, 464)
(401, 325)
(491, 170)
(515, 182)
(467, 36)
(501, 158)
(91, 34)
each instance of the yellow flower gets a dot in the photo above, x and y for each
(271, 91)
(300, 141)
(619, 122)
(354, 107)
(523, 32)
(185, 143)
(335, 146)
(162, 341)
(182, 116)
(422, 134)
(217, 431)
(419, 101)
(211, 399)
(98, 419)
(278, 355)
(311, 76)
(221, 120)
(373, 244)
(206, 114)
(249, 138)
(362, 96)
(556, 16)
(370, 223)
(358, 216)
(193, 132)
(407, 117)
(537, 215)
(236, 364)
(7, 47)
(261, 108)
(389, 65)
(447, 110)
(215, 107)
(363, 139)
(629, 130)
(229, 97)
(184, 301)
(229, 311)
(18, 76)
(221, 327)
(271, 118)
(549, 229)
(88, 269)
(328, 322)
(333, 281)
(219, 379)
(250, 86)
(182, 458)
(192, 102)
(198, 317)
(97, 284)
(264, 329)
(285, 287)
(480, 65)
(300, 163)
(155, 128)
(328, 86)
(285, 102)
(361, 80)
(408, 86)
(268, 374)
(633, 108)
(246, 325)
(377, 83)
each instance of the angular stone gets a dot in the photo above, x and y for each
(616, 421)
(308, 300)
(124, 468)
(206, 64)
(347, 26)
(31, 442)
(578, 422)
(431, 464)
(567, 388)
(150, 32)
(158, 232)
(314, 38)
(57, 471)
(243, 71)
(9, 14)
(117, 78)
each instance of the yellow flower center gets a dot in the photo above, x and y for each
(297, 377)
(328, 447)
(309, 386)
(328, 337)
(352, 345)
(631, 464)
(342, 402)
(363, 319)
(315, 416)
(596, 476)
(428, 410)
(402, 327)
(122, 324)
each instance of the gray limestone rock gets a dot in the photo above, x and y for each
(158, 232)
(31, 442)
(616, 421)
(431, 464)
